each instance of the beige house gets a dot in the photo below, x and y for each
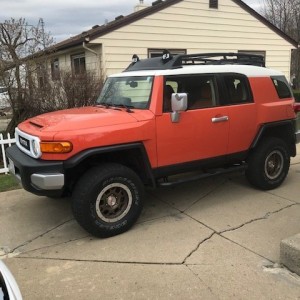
(181, 26)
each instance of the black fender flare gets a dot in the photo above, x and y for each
(291, 137)
(81, 156)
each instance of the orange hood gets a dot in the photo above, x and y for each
(82, 118)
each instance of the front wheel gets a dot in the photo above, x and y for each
(107, 200)
(269, 164)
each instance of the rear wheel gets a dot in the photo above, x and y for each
(269, 164)
(107, 200)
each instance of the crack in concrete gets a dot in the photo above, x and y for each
(198, 199)
(197, 247)
(13, 251)
(183, 263)
(266, 216)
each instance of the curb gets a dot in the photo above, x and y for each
(290, 253)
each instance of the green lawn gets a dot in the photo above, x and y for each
(8, 183)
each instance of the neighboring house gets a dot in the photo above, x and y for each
(181, 26)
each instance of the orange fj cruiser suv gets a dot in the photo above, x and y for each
(201, 114)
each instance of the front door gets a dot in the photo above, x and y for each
(202, 131)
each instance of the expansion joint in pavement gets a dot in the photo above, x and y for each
(103, 261)
(205, 195)
(203, 282)
(15, 250)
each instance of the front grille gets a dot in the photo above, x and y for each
(26, 142)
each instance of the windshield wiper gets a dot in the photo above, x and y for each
(102, 104)
(116, 105)
(125, 106)
(106, 104)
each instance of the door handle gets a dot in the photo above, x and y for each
(220, 119)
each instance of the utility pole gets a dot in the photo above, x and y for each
(41, 21)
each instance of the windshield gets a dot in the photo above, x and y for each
(131, 92)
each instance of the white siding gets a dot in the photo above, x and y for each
(191, 25)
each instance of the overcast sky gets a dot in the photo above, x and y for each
(64, 18)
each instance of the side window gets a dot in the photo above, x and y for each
(237, 89)
(201, 90)
(170, 87)
(173, 84)
(282, 87)
(202, 94)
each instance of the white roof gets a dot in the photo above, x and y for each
(249, 71)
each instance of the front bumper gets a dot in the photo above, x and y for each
(44, 178)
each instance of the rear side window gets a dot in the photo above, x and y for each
(237, 89)
(282, 87)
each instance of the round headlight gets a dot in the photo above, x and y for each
(36, 148)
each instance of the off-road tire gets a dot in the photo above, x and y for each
(107, 200)
(268, 164)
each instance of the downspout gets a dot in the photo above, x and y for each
(87, 48)
(84, 46)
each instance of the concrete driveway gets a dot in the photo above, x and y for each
(212, 239)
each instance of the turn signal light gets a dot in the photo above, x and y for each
(56, 147)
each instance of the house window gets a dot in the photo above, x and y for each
(41, 75)
(78, 63)
(159, 52)
(55, 69)
(213, 4)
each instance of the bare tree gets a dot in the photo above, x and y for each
(25, 56)
(18, 41)
(285, 14)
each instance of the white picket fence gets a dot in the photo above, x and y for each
(8, 141)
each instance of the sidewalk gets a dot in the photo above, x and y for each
(217, 238)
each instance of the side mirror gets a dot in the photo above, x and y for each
(179, 103)
(8, 286)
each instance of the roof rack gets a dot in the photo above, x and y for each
(168, 61)
(223, 59)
